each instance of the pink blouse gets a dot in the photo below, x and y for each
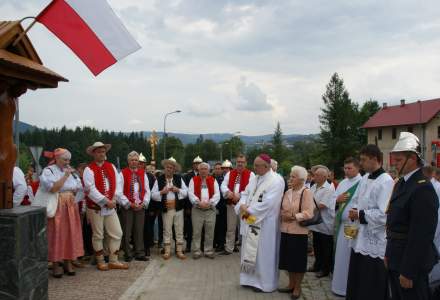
(290, 215)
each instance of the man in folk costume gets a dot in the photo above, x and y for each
(101, 182)
(135, 199)
(226, 167)
(151, 212)
(204, 194)
(344, 194)
(366, 272)
(259, 209)
(188, 226)
(170, 190)
(233, 185)
(412, 218)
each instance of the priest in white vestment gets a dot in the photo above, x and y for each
(344, 193)
(259, 210)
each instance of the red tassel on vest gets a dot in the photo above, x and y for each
(198, 186)
(109, 171)
(244, 180)
(126, 172)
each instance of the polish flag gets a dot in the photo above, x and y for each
(91, 30)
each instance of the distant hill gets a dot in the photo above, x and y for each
(247, 139)
(23, 127)
(188, 138)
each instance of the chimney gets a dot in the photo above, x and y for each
(402, 102)
(384, 105)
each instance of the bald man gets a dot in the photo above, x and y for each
(259, 209)
(324, 194)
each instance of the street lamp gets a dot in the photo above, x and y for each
(165, 131)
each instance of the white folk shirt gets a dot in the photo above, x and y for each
(204, 194)
(156, 196)
(53, 173)
(20, 186)
(96, 196)
(372, 196)
(147, 196)
(225, 185)
(325, 195)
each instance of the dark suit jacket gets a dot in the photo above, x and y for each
(412, 214)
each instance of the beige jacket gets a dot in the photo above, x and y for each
(290, 215)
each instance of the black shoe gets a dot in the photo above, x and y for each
(322, 274)
(162, 251)
(219, 249)
(142, 258)
(257, 290)
(188, 250)
(285, 290)
(236, 249)
(225, 253)
(147, 252)
(128, 258)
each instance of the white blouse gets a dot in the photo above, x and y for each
(53, 173)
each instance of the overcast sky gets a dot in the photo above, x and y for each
(239, 65)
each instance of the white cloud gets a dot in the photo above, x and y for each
(135, 122)
(251, 97)
(194, 52)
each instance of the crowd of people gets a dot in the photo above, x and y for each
(376, 231)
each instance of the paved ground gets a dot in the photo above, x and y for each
(174, 279)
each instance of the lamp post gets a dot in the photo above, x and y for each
(165, 131)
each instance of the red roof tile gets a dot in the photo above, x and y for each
(420, 112)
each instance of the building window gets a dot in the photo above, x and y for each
(410, 129)
(438, 132)
(379, 134)
(394, 133)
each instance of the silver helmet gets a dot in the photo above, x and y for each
(408, 142)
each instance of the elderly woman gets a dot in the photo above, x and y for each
(65, 242)
(297, 205)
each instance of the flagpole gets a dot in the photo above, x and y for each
(20, 37)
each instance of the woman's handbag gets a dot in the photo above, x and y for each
(48, 200)
(316, 219)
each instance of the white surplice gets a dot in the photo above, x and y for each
(267, 214)
(342, 254)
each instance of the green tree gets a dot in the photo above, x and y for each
(277, 143)
(368, 109)
(339, 124)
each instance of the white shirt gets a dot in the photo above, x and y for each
(20, 186)
(204, 194)
(95, 195)
(435, 273)
(156, 196)
(225, 184)
(372, 196)
(124, 200)
(325, 195)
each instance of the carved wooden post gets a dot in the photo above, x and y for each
(8, 154)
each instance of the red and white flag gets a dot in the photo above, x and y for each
(91, 29)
